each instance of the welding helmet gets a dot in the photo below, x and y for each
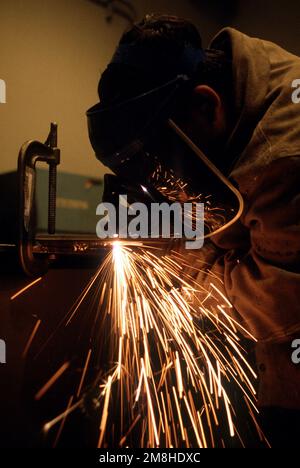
(152, 158)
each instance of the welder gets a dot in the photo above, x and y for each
(234, 101)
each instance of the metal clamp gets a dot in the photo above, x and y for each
(32, 152)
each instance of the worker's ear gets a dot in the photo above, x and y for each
(209, 104)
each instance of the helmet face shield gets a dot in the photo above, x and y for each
(140, 142)
(118, 134)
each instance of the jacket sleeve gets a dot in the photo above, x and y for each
(263, 281)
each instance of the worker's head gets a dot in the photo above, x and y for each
(163, 99)
(157, 50)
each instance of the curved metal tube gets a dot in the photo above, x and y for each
(217, 173)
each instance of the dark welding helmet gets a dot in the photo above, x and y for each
(140, 140)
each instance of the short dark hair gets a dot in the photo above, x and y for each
(166, 35)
